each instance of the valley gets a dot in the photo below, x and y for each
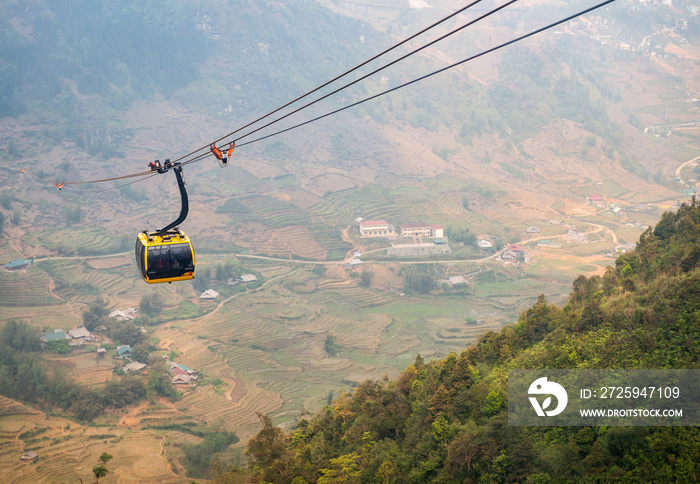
(556, 192)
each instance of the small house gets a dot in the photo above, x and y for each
(134, 366)
(209, 294)
(246, 278)
(126, 315)
(184, 380)
(17, 264)
(123, 351)
(57, 335)
(456, 280)
(579, 237)
(533, 230)
(101, 352)
(29, 456)
(485, 244)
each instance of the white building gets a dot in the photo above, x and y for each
(576, 236)
(127, 315)
(209, 294)
(245, 278)
(376, 228)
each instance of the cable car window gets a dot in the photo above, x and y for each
(181, 258)
(158, 263)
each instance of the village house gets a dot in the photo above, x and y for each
(18, 264)
(127, 315)
(209, 294)
(509, 255)
(576, 236)
(533, 230)
(134, 366)
(184, 380)
(246, 278)
(376, 228)
(29, 456)
(79, 336)
(181, 375)
(485, 244)
(456, 280)
(57, 335)
(123, 351)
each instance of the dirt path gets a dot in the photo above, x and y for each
(683, 165)
(222, 303)
(131, 420)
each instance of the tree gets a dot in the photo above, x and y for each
(366, 278)
(141, 352)
(95, 314)
(268, 448)
(151, 304)
(101, 470)
(128, 334)
(331, 346)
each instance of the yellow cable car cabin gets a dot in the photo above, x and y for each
(165, 257)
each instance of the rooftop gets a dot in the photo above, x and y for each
(79, 333)
(209, 294)
(372, 223)
(16, 263)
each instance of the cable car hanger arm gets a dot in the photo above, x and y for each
(184, 210)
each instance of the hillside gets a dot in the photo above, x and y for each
(446, 420)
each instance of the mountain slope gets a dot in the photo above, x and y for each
(446, 420)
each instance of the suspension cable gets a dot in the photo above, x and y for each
(505, 44)
(451, 66)
(404, 57)
(457, 12)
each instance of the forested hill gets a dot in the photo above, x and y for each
(446, 421)
(76, 65)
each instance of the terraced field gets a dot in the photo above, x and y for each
(81, 241)
(274, 212)
(68, 451)
(25, 288)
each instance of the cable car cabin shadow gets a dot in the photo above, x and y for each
(165, 257)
